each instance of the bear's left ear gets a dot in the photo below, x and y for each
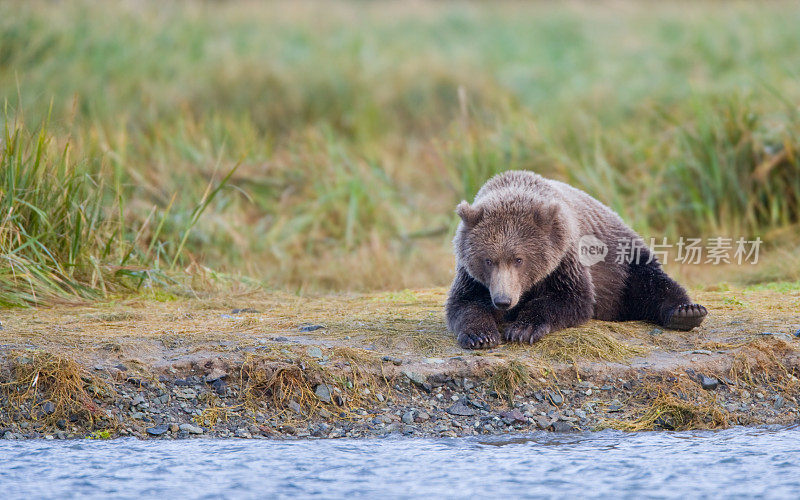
(470, 215)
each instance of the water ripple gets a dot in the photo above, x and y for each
(733, 463)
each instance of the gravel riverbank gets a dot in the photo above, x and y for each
(204, 369)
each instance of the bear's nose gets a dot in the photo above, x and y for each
(502, 302)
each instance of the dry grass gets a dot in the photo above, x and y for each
(46, 388)
(594, 341)
(669, 411)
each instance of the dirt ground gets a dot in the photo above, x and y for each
(272, 364)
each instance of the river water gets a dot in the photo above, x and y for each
(738, 462)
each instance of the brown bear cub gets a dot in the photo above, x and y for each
(536, 255)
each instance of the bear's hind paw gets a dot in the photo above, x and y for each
(686, 316)
(479, 340)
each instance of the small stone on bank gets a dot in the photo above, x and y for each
(555, 398)
(461, 409)
(244, 310)
(562, 426)
(323, 392)
(157, 430)
(310, 328)
(314, 352)
(708, 383)
(191, 429)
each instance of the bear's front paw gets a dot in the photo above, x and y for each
(479, 339)
(529, 333)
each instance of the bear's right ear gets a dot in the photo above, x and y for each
(470, 215)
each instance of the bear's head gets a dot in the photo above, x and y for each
(510, 248)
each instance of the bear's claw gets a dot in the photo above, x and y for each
(686, 316)
(526, 332)
(479, 340)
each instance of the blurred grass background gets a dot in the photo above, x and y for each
(318, 146)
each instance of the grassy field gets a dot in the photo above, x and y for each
(323, 146)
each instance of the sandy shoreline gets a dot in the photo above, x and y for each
(279, 366)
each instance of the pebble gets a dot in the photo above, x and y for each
(562, 426)
(513, 416)
(243, 433)
(542, 422)
(408, 418)
(48, 408)
(379, 397)
(460, 408)
(314, 352)
(394, 361)
(415, 377)
(158, 430)
(779, 402)
(708, 383)
(139, 399)
(310, 328)
(245, 310)
(323, 392)
(191, 429)
(295, 406)
(555, 398)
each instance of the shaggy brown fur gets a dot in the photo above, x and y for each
(518, 265)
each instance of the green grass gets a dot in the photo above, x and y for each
(353, 135)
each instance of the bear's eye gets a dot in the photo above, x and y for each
(489, 262)
(518, 262)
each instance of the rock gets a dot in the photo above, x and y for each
(408, 418)
(295, 406)
(380, 397)
(61, 424)
(708, 383)
(541, 421)
(185, 393)
(158, 430)
(779, 402)
(580, 414)
(243, 433)
(323, 392)
(797, 333)
(415, 377)
(513, 416)
(314, 352)
(615, 405)
(562, 426)
(460, 408)
(48, 408)
(215, 374)
(245, 310)
(656, 331)
(323, 413)
(320, 430)
(394, 361)
(139, 399)
(422, 416)
(310, 328)
(220, 387)
(174, 428)
(191, 429)
(555, 398)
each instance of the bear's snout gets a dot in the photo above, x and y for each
(502, 302)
